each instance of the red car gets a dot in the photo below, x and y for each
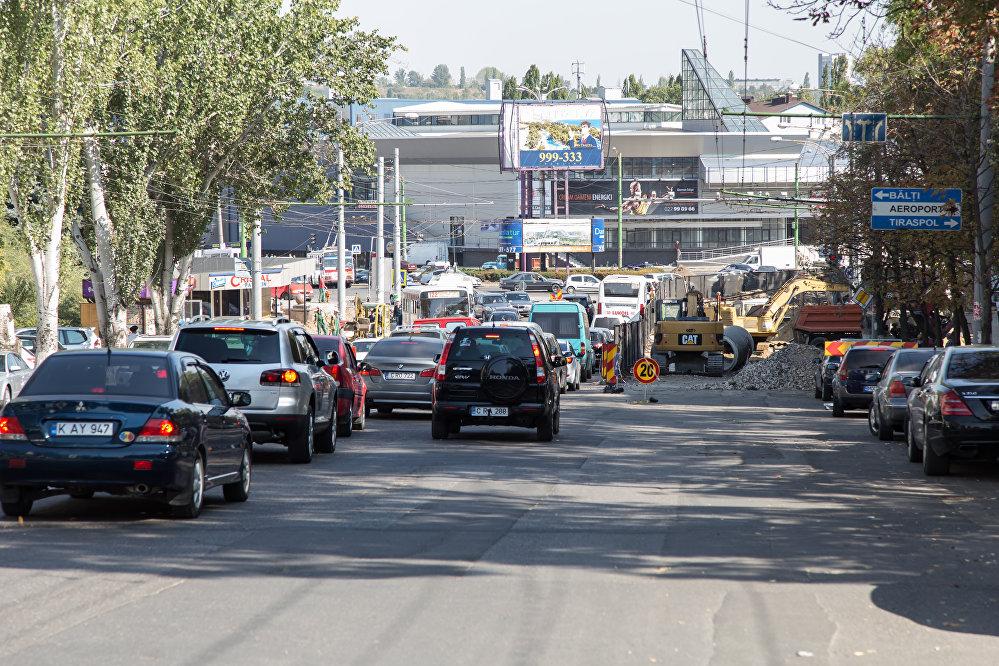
(449, 323)
(351, 406)
(299, 287)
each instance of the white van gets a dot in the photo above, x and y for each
(623, 295)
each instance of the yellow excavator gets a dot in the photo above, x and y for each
(690, 340)
(763, 321)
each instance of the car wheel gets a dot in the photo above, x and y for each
(818, 393)
(303, 445)
(384, 411)
(546, 429)
(82, 494)
(872, 420)
(326, 439)
(454, 427)
(558, 418)
(19, 507)
(346, 426)
(361, 420)
(886, 433)
(239, 491)
(915, 454)
(571, 290)
(826, 394)
(563, 389)
(837, 407)
(195, 492)
(933, 463)
(438, 428)
(367, 410)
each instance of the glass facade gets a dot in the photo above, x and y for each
(447, 120)
(706, 94)
(692, 238)
(672, 168)
(662, 116)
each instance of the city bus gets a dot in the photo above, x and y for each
(435, 301)
(330, 270)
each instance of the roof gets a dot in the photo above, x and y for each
(783, 103)
(447, 106)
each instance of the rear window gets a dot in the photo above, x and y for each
(621, 289)
(94, 374)
(363, 345)
(560, 324)
(605, 322)
(504, 316)
(484, 345)
(518, 296)
(974, 365)
(407, 348)
(859, 359)
(219, 345)
(326, 345)
(912, 361)
(493, 298)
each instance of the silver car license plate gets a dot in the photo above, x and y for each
(81, 429)
(994, 406)
(400, 375)
(869, 389)
(490, 411)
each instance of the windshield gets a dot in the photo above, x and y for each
(406, 348)
(980, 365)
(331, 262)
(444, 303)
(493, 298)
(606, 322)
(518, 296)
(563, 325)
(912, 361)
(363, 345)
(124, 374)
(862, 359)
(621, 289)
(230, 345)
(504, 315)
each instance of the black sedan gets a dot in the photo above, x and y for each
(529, 282)
(888, 402)
(361, 276)
(148, 424)
(954, 409)
(825, 368)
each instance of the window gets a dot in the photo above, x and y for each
(17, 363)
(219, 345)
(216, 392)
(483, 345)
(192, 387)
(975, 366)
(912, 361)
(3, 362)
(409, 348)
(563, 325)
(97, 374)
(72, 337)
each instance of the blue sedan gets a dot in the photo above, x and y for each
(151, 424)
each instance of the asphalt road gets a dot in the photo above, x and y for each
(713, 528)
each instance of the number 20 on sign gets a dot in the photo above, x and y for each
(646, 370)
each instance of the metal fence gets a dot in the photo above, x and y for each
(634, 339)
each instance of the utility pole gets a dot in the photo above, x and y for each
(397, 232)
(341, 244)
(380, 230)
(620, 214)
(405, 237)
(796, 235)
(218, 219)
(985, 195)
(255, 268)
(577, 69)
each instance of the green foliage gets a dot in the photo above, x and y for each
(553, 86)
(441, 76)
(414, 78)
(510, 90)
(461, 78)
(400, 76)
(671, 94)
(633, 87)
(487, 73)
(532, 78)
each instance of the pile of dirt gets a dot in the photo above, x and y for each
(790, 368)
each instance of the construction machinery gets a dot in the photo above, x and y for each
(763, 321)
(688, 340)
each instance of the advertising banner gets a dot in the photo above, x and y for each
(511, 236)
(642, 197)
(597, 234)
(557, 136)
(552, 235)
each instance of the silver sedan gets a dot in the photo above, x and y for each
(14, 372)
(399, 372)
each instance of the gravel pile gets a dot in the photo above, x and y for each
(790, 368)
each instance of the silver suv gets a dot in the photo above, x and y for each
(292, 399)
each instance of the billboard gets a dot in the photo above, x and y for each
(553, 136)
(642, 197)
(552, 235)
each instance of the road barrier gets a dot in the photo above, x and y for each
(839, 347)
(608, 363)
(633, 339)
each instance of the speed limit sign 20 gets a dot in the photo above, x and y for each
(646, 370)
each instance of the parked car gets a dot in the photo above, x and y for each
(496, 375)
(485, 302)
(609, 322)
(14, 372)
(399, 371)
(150, 424)
(426, 277)
(70, 337)
(825, 369)
(858, 374)
(736, 268)
(561, 371)
(587, 284)
(567, 321)
(161, 342)
(279, 365)
(889, 400)
(300, 289)
(351, 390)
(520, 301)
(503, 314)
(492, 265)
(953, 409)
(362, 275)
(361, 347)
(529, 282)
(573, 365)
(28, 347)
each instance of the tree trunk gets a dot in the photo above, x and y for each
(111, 307)
(985, 196)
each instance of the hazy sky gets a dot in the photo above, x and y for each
(612, 38)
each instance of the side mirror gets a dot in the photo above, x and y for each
(332, 358)
(916, 382)
(872, 377)
(239, 398)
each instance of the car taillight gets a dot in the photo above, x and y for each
(371, 372)
(582, 348)
(598, 345)
(951, 404)
(539, 373)
(600, 308)
(11, 429)
(159, 430)
(288, 377)
(442, 363)
(843, 374)
(896, 389)
(429, 372)
(333, 371)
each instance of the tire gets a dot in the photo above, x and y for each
(325, 441)
(818, 393)
(384, 411)
(438, 428)
(239, 491)
(837, 408)
(18, 508)
(884, 433)
(195, 491)
(367, 410)
(826, 393)
(546, 429)
(361, 421)
(345, 427)
(915, 454)
(872, 420)
(82, 494)
(571, 290)
(302, 446)
(933, 463)
(454, 427)
(741, 345)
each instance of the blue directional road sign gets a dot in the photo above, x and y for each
(865, 127)
(915, 208)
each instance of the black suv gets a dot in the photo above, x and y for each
(495, 375)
